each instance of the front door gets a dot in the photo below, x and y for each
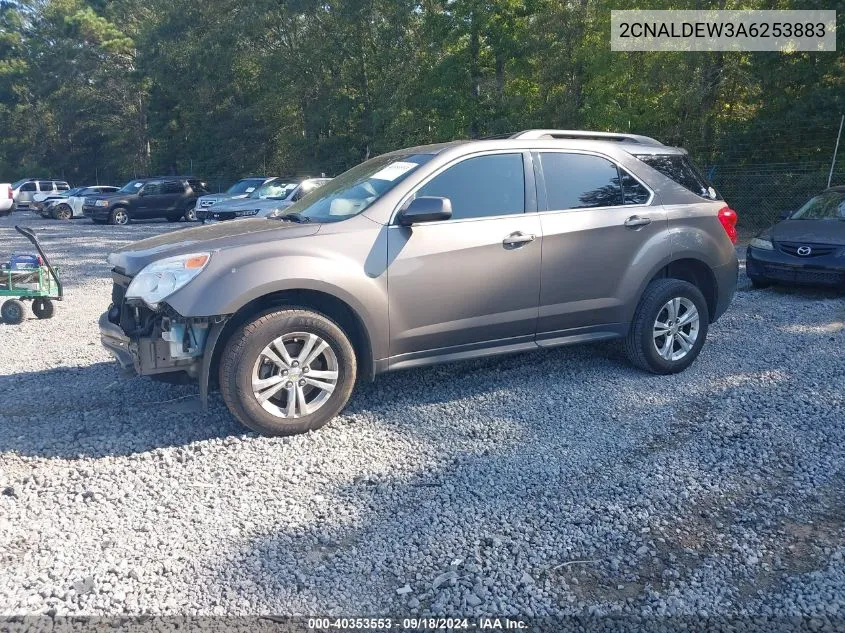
(471, 281)
(602, 235)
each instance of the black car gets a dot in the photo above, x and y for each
(805, 247)
(169, 197)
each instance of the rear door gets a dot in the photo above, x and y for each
(471, 281)
(602, 234)
(174, 197)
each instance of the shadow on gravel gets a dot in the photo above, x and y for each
(93, 411)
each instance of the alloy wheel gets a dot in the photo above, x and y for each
(121, 217)
(295, 375)
(676, 328)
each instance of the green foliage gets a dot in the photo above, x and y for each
(109, 89)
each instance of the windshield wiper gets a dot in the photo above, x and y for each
(295, 217)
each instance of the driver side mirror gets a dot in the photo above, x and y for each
(425, 209)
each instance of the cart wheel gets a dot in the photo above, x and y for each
(12, 311)
(43, 308)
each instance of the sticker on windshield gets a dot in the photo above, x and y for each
(138, 184)
(394, 170)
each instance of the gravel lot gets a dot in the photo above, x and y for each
(551, 483)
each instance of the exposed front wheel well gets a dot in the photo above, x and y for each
(329, 305)
(698, 274)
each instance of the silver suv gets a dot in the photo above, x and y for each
(426, 255)
(29, 190)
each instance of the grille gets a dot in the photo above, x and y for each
(816, 250)
(207, 202)
(804, 276)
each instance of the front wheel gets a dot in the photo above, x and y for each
(63, 212)
(119, 216)
(288, 371)
(669, 327)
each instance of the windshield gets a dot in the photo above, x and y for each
(276, 189)
(826, 206)
(132, 186)
(247, 185)
(355, 190)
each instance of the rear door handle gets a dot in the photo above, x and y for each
(636, 221)
(518, 239)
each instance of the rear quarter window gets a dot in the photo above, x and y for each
(679, 168)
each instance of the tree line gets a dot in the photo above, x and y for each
(108, 89)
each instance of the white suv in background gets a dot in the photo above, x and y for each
(28, 190)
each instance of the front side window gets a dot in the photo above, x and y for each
(355, 190)
(827, 206)
(152, 188)
(479, 187)
(580, 181)
(28, 186)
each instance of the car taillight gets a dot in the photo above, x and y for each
(11, 193)
(728, 218)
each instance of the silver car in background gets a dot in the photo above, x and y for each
(240, 189)
(274, 196)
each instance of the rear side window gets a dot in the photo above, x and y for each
(480, 187)
(632, 191)
(679, 167)
(45, 185)
(62, 186)
(580, 181)
(198, 187)
(173, 186)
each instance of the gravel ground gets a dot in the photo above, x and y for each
(551, 483)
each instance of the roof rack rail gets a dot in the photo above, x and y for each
(587, 135)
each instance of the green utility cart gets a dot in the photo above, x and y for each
(29, 278)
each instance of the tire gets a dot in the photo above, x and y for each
(119, 216)
(190, 215)
(43, 308)
(12, 311)
(759, 283)
(62, 212)
(641, 344)
(243, 358)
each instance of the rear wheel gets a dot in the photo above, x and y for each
(190, 215)
(288, 371)
(43, 308)
(669, 327)
(12, 311)
(119, 216)
(63, 212)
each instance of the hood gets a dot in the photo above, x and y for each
(810, 231)
(243, 233)
(222, 197)
(248, 203)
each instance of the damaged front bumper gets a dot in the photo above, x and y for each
(159, 343)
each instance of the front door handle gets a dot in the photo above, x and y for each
(636, 221)
(518, 239)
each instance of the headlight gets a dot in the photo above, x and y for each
(762, 244)
(101, 203)
(161, 279)
(246, 212)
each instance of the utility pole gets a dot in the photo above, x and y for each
(835, 151)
